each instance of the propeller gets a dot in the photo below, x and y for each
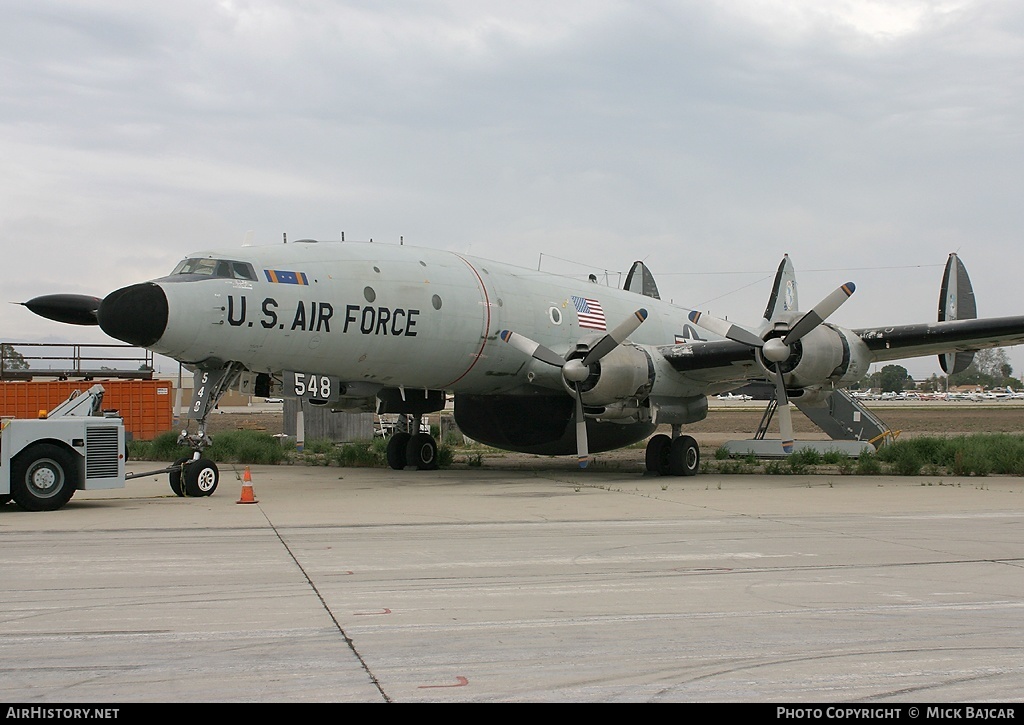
(67, 308)
(776, 350)
(577, 370)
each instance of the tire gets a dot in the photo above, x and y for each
(658, 448)
(397, 445)
(200, 478)
(174, 477)
(43, 477)
(421, 452)
(684, 457)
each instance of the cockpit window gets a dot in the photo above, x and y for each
(216, 268)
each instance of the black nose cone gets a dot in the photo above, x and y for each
(135, 314)
(72, 309)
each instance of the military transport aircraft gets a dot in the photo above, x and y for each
(536, 362)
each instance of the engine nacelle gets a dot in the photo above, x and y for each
(625, 372)
(827, 354)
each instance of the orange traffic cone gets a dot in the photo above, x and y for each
(247, 493)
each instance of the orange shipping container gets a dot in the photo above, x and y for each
(145, 405)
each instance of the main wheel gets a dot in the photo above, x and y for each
(200, 477)
(396, 450)
(684, 458)
(174, 477)
(421, 452)
(43, 477)
(658, 448)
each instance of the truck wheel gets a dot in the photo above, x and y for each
(200, 477)
(174, 477)
(43, 477)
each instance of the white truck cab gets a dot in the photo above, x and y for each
(76, 446)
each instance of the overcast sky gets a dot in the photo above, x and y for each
(866, 139)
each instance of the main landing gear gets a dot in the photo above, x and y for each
(418, 450)
(677, 455)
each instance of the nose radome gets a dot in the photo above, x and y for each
(135, 314)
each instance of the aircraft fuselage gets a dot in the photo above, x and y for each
(386, 314)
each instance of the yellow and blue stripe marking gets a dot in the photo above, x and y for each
(280, 276)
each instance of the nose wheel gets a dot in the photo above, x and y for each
(194, 478)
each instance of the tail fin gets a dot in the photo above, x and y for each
(783, 298)
(641, 281)
(956, 302)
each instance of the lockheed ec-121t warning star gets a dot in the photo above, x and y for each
(536, 362)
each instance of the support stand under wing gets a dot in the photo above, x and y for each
(853, 428)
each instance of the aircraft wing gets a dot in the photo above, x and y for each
(714, 361)
(724, 361)
(904, 341)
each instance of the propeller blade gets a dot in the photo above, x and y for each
(531, 348)
(70, 309)
(581, 430)
(615, 338)
(819, 313)
(725, 329)
(785, 414)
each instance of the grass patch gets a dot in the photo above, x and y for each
(246, 446)
(868, 464)
(242, 446)
(362, 454)
(982, 454)
(737, 467)
(254, 447)
(162, 448)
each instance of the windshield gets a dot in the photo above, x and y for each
(207, 267)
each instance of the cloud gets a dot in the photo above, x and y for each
(867, 139)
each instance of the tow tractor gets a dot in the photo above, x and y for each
(78, 446)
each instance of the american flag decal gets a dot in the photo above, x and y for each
(589, 312)
(280, 276)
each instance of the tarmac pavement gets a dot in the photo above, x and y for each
(489, 585)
